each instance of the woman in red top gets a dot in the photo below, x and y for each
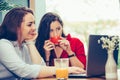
(51, 26)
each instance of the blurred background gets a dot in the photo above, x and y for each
(81, 17)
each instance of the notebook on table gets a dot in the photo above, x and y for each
(96, 58)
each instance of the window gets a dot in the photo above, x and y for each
(84, 17)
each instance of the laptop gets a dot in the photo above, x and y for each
(96, 58)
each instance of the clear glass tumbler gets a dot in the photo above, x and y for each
(61, 65)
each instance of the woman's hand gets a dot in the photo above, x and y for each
(76, 70)
(65, 45)
(32, 37)
(48, 46)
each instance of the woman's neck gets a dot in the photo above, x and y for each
(20, 41)
(58, 51)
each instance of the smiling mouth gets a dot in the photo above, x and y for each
(32, 32)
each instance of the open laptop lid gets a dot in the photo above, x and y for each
(97, 56)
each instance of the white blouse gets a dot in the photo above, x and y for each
(15, 61)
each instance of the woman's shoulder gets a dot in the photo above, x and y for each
(70, 38)
(8, 43)
(4, 41)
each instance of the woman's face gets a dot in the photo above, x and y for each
(27, 29)
(55, 29)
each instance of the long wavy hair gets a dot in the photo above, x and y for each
(44, 31)
(12, 21)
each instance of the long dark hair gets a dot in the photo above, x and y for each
(44, 30)
(12, 21)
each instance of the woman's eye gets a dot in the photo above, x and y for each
(58, 29)
(29, 24)
(51, 30)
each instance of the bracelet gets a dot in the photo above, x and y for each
(30, 42)
(72, 55)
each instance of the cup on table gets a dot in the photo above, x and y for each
(61, 65)
(55, 39)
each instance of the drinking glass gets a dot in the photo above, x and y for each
(61, 65)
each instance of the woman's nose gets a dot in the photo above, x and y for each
(55, 33)
(33, 27)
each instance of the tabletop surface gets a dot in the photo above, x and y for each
(72, 79)
(95, 78)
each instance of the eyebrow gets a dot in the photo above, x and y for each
(31, 22)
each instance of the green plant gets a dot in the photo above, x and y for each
(4, 6)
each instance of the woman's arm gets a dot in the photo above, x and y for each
(35, 56)
(80, 57)
(48, 46)
(74, 58)
(11, 61)
(50, 71)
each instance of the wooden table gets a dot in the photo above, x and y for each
(72, 79)
(93, 78)
(52, 78)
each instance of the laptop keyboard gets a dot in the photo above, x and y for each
(78, 74)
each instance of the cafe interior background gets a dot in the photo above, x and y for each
(81, 17)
